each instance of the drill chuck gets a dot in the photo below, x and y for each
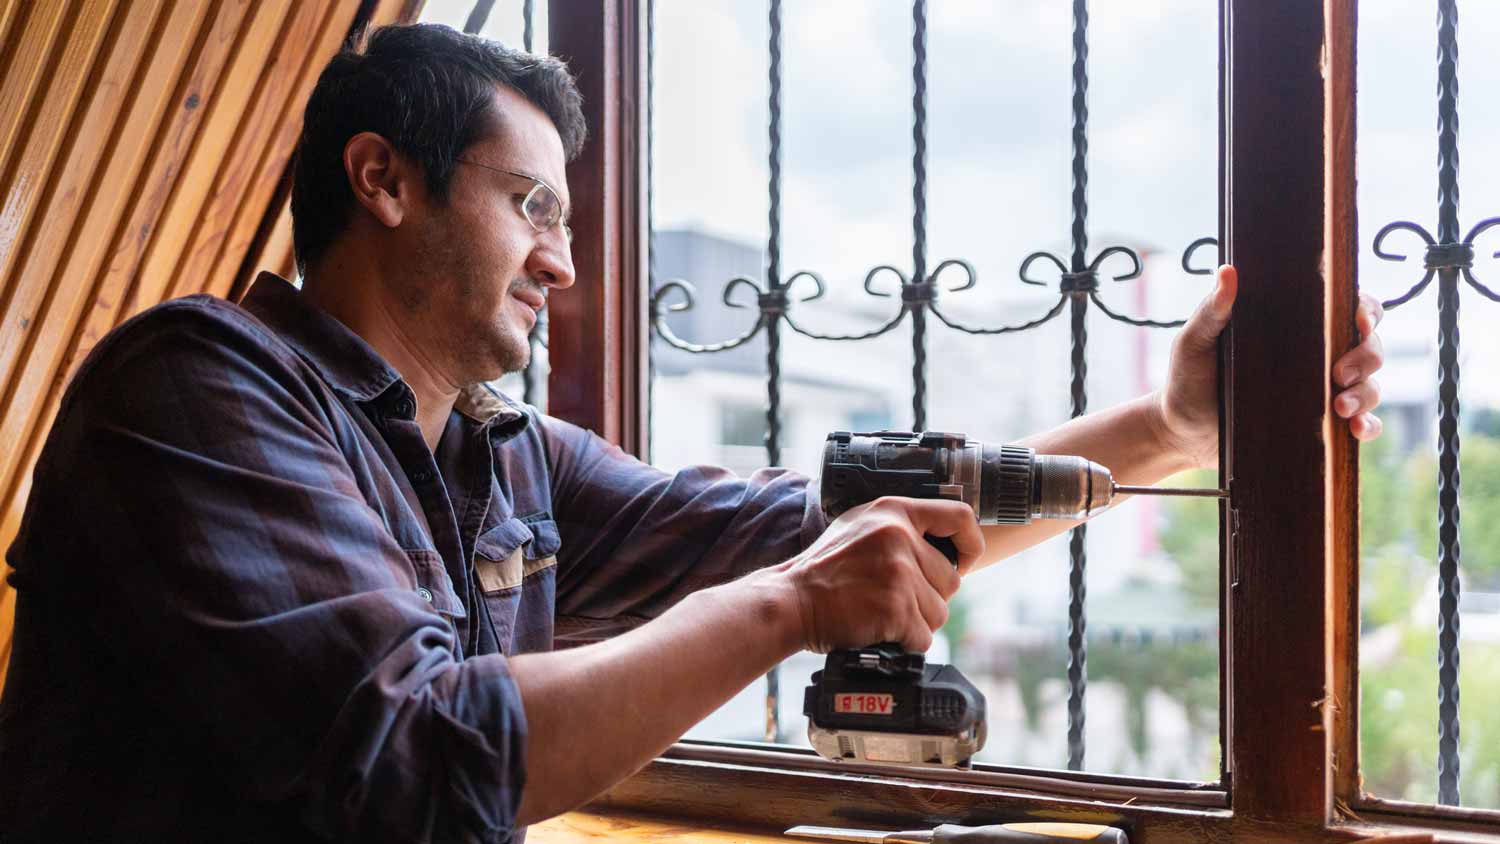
(1068, 487)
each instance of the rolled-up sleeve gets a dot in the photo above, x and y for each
(263, 605)
(636, 539)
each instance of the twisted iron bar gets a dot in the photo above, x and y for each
(1447, 258)
(919, 216)
(773, 326)
(1077, 553)
(478, 16)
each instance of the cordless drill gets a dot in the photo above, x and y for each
(881, 704)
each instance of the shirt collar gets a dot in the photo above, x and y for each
(345, 361)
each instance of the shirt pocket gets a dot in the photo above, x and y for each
(509, 559)
(514, 550)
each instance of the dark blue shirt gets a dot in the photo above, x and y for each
(252, 605)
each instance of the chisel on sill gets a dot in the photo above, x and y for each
(1002, 833)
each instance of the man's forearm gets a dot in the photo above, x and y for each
(1127, 439)
(598, 713)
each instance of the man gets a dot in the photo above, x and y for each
(290, 570)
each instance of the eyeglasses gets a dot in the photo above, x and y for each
(541, 207)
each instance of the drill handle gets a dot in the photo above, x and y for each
(944, 544)
(893, 649)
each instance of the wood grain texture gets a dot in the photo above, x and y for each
(105, 147)
(717, 793)
(1278, 451)
(1403, 816)
(28, 416)
(235, 188)
(588, 827)
(25, 63)
(178, 239)
(598, 327)
(583, 827)
(271, 247)
(149, 135)
(1342, 253)
(28, 167)
(196, 85)
(1061, 783)
(10, 12)
(270, 148)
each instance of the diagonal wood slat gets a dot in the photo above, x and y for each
(97, 146)
(142, 147)
(150, 192)
(39, 136)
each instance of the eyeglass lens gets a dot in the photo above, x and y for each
(543, 210)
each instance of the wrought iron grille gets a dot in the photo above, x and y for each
(1448, 257)
(1077, 283)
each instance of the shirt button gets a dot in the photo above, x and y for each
(425, 593)
(421, 476)
(405, 408)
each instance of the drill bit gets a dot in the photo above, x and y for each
(1125, 489)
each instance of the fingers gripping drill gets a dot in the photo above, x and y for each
(880, 704)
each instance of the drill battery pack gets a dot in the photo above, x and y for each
(882, 705)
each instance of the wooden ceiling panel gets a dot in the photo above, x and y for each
(267, 144)
(204, 171)
(40, 134)
(97, 141)
(30, 405)
(143, 144)
(24, 62)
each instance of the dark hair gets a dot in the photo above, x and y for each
(427, 89)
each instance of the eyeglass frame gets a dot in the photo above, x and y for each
(538, 184)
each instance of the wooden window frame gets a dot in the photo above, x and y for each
(1290, 598)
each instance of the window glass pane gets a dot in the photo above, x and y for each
(1400, 585)
(506, 23)
(999, 187)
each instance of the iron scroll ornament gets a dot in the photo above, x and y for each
(775, 303)
(1439, 256)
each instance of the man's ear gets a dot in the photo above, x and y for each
(379, 178)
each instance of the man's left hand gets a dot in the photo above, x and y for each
(1190, 403)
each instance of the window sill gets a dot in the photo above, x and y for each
(769, 790)
(581, 827)
(752, 793)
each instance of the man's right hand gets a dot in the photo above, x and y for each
(873, 577)
(595, 714)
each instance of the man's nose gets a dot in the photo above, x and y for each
(551, 261)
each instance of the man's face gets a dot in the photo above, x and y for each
(481, 270)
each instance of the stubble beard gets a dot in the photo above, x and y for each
(507, 343)
(476, 343)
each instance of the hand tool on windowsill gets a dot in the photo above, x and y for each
(1003, 833)
(880, 704)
